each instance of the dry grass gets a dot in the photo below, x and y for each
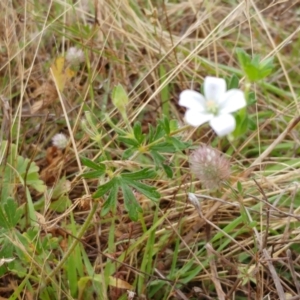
(243, 243)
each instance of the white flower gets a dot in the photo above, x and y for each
(214, 107)
(60, 141)
(74, 55)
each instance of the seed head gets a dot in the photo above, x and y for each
(210, 166)
(60, 141)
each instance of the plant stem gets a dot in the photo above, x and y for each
(75, 242)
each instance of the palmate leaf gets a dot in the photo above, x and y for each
(178, 144)
(9, 214)
(128, 153)
(17, 170)
(111, 201)
(90, 164)
(99, 169)
(127, 181)
(12, 212)
(165, 123)
(168, 170)
(138, 134)
(104, 188)
(254, 68)
(148, 191)
(131, 204)
(160, 161)
(3, 219)
(146, 173)
(155, 133)
(129, 141)
(166, 147)
(61, 74)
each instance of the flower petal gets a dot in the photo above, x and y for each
(195, 118)
(192, 100)
(231, 101)
(214, 88)
(223, 124)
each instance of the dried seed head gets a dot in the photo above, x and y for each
(210, 166)
(60, 141)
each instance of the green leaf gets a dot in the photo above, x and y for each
(30, 174)
(9, 214)
(158, 158)
(129, 141)
(178, 144)
(168, 170)
(252, 125)
(146, 173)
(33, 180)
(241, 125)
(174, 125)
(243, 58)
(137, 130)
(7, 251)
(233, 83)
(12, 212)
(159, 161)
(103, 189)
(128, 153)
(130, 202)
(266, 67)
(163, 147)
(88, 163)
(3, 220)
(240, 187)
(165, 124)
(71, 271)
(151, 133)
(111, 201)
(251, 98)
(61, 204)
(255, 61)
(155, 134)
(148, 191)
(254, 69)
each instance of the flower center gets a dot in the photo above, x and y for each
(212, 107)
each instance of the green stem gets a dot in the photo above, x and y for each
(81, 232)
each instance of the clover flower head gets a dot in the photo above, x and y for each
(60, 141)
(74, 55)
(210, 166)
(214, 107)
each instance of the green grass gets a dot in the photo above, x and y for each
(129, 146)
